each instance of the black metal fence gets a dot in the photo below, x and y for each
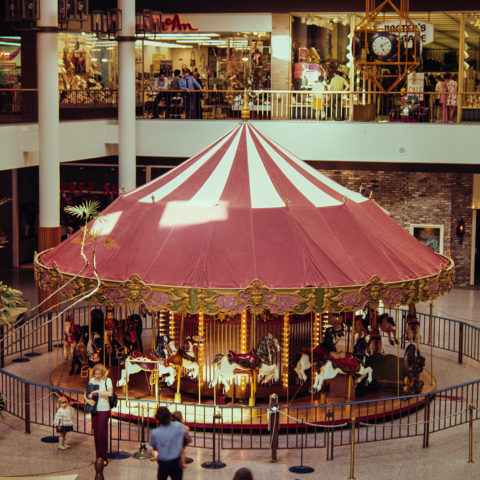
(318, 426)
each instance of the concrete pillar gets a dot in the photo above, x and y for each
(48, 129)
(126, 97)
(281, 52)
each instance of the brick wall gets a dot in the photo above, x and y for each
(422, 197)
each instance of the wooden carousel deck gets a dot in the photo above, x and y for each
(373, 406)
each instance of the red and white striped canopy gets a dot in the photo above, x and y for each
(244, 209)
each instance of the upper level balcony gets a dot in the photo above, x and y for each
(20, 105)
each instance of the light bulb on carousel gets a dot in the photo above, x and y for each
(285, 350)
(243, 344)
(172, 326)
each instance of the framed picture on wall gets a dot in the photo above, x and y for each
(430, 235)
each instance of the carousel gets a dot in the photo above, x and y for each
(257, 275)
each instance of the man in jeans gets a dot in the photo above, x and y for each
(161, 86)
(189, 84)
(167, 442)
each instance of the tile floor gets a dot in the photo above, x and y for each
(25, 456)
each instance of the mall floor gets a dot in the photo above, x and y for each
(26, 456)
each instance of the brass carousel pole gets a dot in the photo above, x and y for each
(178, 395)
(285, 352)
(430, 339)
(350, 377)
(201, 333)
(253, 379)
(312, 346)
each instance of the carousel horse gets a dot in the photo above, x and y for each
(185, 356)
(94, 349)
(261, 357)
(346, 318)
(79, 356)
(387, 324)
(154, 361)
(320, 353)
(71, 336)
(132, 335)
(375, 343)
(350, 364)
(413, 364)
(413, 330)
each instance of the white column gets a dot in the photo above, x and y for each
(126, 98)
(48, 122)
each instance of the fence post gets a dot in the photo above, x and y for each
(470, 433)
(27, 407)
(352, 452)
(49, 332)
(2, 347)
(460, 343)
(274, 426)
(426, 424)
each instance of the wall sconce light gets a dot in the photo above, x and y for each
(22, 11)
(106, 24)
(460, 230)
(72, 11)
(148, 22)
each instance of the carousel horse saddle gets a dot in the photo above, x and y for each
(320, 353)
(145, 356)
(246, 360)
(348, 363)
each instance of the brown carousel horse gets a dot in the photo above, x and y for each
(71, 336)
(346, 318)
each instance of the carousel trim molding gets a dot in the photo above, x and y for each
(257, 297)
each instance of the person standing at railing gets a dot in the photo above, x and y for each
(188, 84)
(452, 86)
(337, 84)
(198, 97)
(318, 99)
(438, 92)
(161, 85)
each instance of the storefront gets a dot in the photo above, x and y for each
(321, 43)
(229, 51)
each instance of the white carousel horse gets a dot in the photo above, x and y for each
(185, 357)
(229, 365)
(320, 353)
(154, 361)
(350, 364)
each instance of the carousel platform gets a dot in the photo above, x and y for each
(294, 404)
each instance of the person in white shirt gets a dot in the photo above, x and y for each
(161, 85)
(63, 421)
(99, 388)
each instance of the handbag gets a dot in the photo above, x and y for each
(89, 408)
(112, 399)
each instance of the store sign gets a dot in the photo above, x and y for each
(175, 24)
(82, 188)
(406, 31)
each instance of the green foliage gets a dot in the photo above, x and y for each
(87, 210)
(9, 300)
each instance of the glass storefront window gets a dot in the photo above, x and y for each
(86, 62)
(226, 61)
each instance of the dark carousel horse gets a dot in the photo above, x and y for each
(413, 364)
(132, 335)
(79, 355)
(321, 352)
(260, 357)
